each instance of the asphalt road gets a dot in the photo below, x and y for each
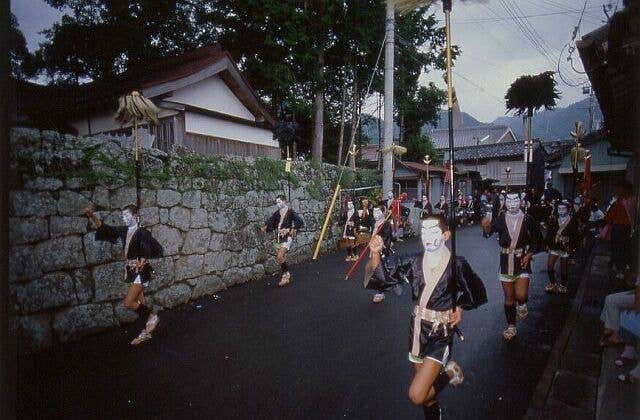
(318, 348)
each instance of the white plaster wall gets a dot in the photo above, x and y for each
(105, 122)
(213, 94)
(209, 126)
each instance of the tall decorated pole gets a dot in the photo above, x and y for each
(446, 8)
(387, 158)
(133, 108)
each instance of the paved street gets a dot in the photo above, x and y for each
(316, 349)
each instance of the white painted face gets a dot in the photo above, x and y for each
(563, 210)
(442, 198)
(377, 214)
(512, 202)
(128, 219)
(390, 195)
(281, 204)
(350, 205)
(424, 198)
(431, 235)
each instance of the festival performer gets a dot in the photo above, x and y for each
(561, 239)
(442, 207)
(440, 301)
(139, 246)
(365, 215)
(285, 223)
(351, 223)
(425, 207)
(519, 239)
(383, 230)
(397, 213)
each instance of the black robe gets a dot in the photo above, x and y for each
(140, 246)
(466, 291)
(571, 231)
(426, 210)
(529, 240)
(291, 221)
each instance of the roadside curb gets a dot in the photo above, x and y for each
(542, 392)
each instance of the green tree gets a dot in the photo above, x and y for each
(418, 146)
(19, 56)
(528, 94)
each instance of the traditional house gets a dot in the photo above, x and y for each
(206, 104)
(417, 178)
(472, 136)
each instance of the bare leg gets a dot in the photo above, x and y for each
(282, 260)
(134, 297)
(421, 390)
(522, 290)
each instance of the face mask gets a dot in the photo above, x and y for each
(390, 196)
(563, 211)
(513, 204)
(442, 199)
(377, 214)
(431, 236)
(281, 204)
(128, 219)
(350, 205)
(424, 198)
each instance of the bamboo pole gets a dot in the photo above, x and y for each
(326, 220)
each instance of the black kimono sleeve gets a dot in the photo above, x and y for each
(470, 291)
(536, 241)
(272, 222)
(111, 233)
(392, 272)
(296, 221)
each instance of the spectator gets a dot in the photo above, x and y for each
(620, 220)
(551, 194)
(630, 329)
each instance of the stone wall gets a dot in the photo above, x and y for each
(206, 212)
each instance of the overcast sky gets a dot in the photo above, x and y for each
(493, 35)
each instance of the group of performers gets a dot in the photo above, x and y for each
(443, 287)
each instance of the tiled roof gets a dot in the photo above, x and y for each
(488, 151)
(421, 167)
(463, 137)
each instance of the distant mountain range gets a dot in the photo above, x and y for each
(546, 125)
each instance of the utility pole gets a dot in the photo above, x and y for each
(387, 159)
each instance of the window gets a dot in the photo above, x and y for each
(164, 134)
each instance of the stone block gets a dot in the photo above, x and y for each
(71, 203)
(83, 320)
(27, 229)
(149, 216)
(25, 203)
(124, 315)
(164, 273)
(74, 183)
(220, 222)
(170, 238)
(109, 282)
(196, 241)
(98, 252)
(100, 197)
(168, 198)
(164, 216)
(60, 253)
(122, 197)
(206, 285)
(215, 244)
(43, 184)
(180, 217)
(23, 264)
(84, 285)
(257, 271)
(62, 226)
(199, 218)
(217, 261)
(189, 266)
(33, 332)
(236, 276)
(148, 198)
(51, 291)
(191, 199)
(173, 296)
